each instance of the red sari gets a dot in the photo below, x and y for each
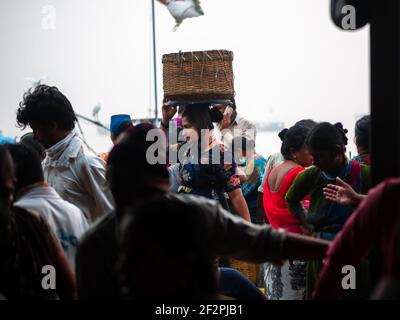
(275, 206)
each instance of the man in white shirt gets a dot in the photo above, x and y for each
(233, 125)
(76, 176)
(32, 194)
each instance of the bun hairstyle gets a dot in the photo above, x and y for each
(327, 137)
(293, 139)
(362, 132)
(342, 131)
(282, 134)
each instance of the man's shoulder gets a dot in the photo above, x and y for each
(197, 201)
(90, 159)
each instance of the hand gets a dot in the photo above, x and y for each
(341, 193)
(307, 229)
(168, 112)
(225, 123)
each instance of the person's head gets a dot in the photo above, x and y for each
(164, 255)
(308, 123)
(294, 145)
(130, 173)
(27, 164)
(327, 143)
(48, 112)
(196, 118)
(7, 179)
(29, 140)
(119, 124)
(362, 134)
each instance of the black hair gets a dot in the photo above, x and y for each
(5, 159)
(45, 105)
(29, 140)
(327, 137)
(123, 127)
(128, 169)
(308, 123)
(199, 115)
(175, 247)
(362, 132)
(27, 163)
(293, 139)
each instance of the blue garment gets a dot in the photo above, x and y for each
(117, 120)
(234, 284)
(208, 178)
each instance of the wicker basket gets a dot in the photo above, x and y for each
(198, 75)
(250, 270)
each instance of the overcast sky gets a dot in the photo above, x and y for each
(289, 57)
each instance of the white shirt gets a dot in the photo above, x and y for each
(78, 178)
(66, 220)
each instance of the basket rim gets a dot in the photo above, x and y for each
(171, 57)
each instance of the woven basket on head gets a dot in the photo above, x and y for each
(198, 75)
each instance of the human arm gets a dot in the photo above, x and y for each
(342, 193)
(233, 237)
(239, 204)
(299, 189)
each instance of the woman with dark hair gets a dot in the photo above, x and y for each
(27, 244)
(361, 139)
(207, 167)
(324, 219)
(286, 282)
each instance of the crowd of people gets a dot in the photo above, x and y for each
(118, 226)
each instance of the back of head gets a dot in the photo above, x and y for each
(164, 252)
(28, 140)
(130, 171)
(293, 140)
(362, 132)
(28, 166)
(308, 123)
(46, 106)
(328, 137)
(6, 177)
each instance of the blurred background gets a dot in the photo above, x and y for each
(290, 63)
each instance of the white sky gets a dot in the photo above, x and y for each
(288, 56)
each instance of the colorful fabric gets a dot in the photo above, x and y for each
(254, 174)
(207, 179)
(363, 159)
(275, 206)
(326, 217)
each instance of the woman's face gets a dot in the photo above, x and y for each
(304, 157)
(326, 160)
(190, 133)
